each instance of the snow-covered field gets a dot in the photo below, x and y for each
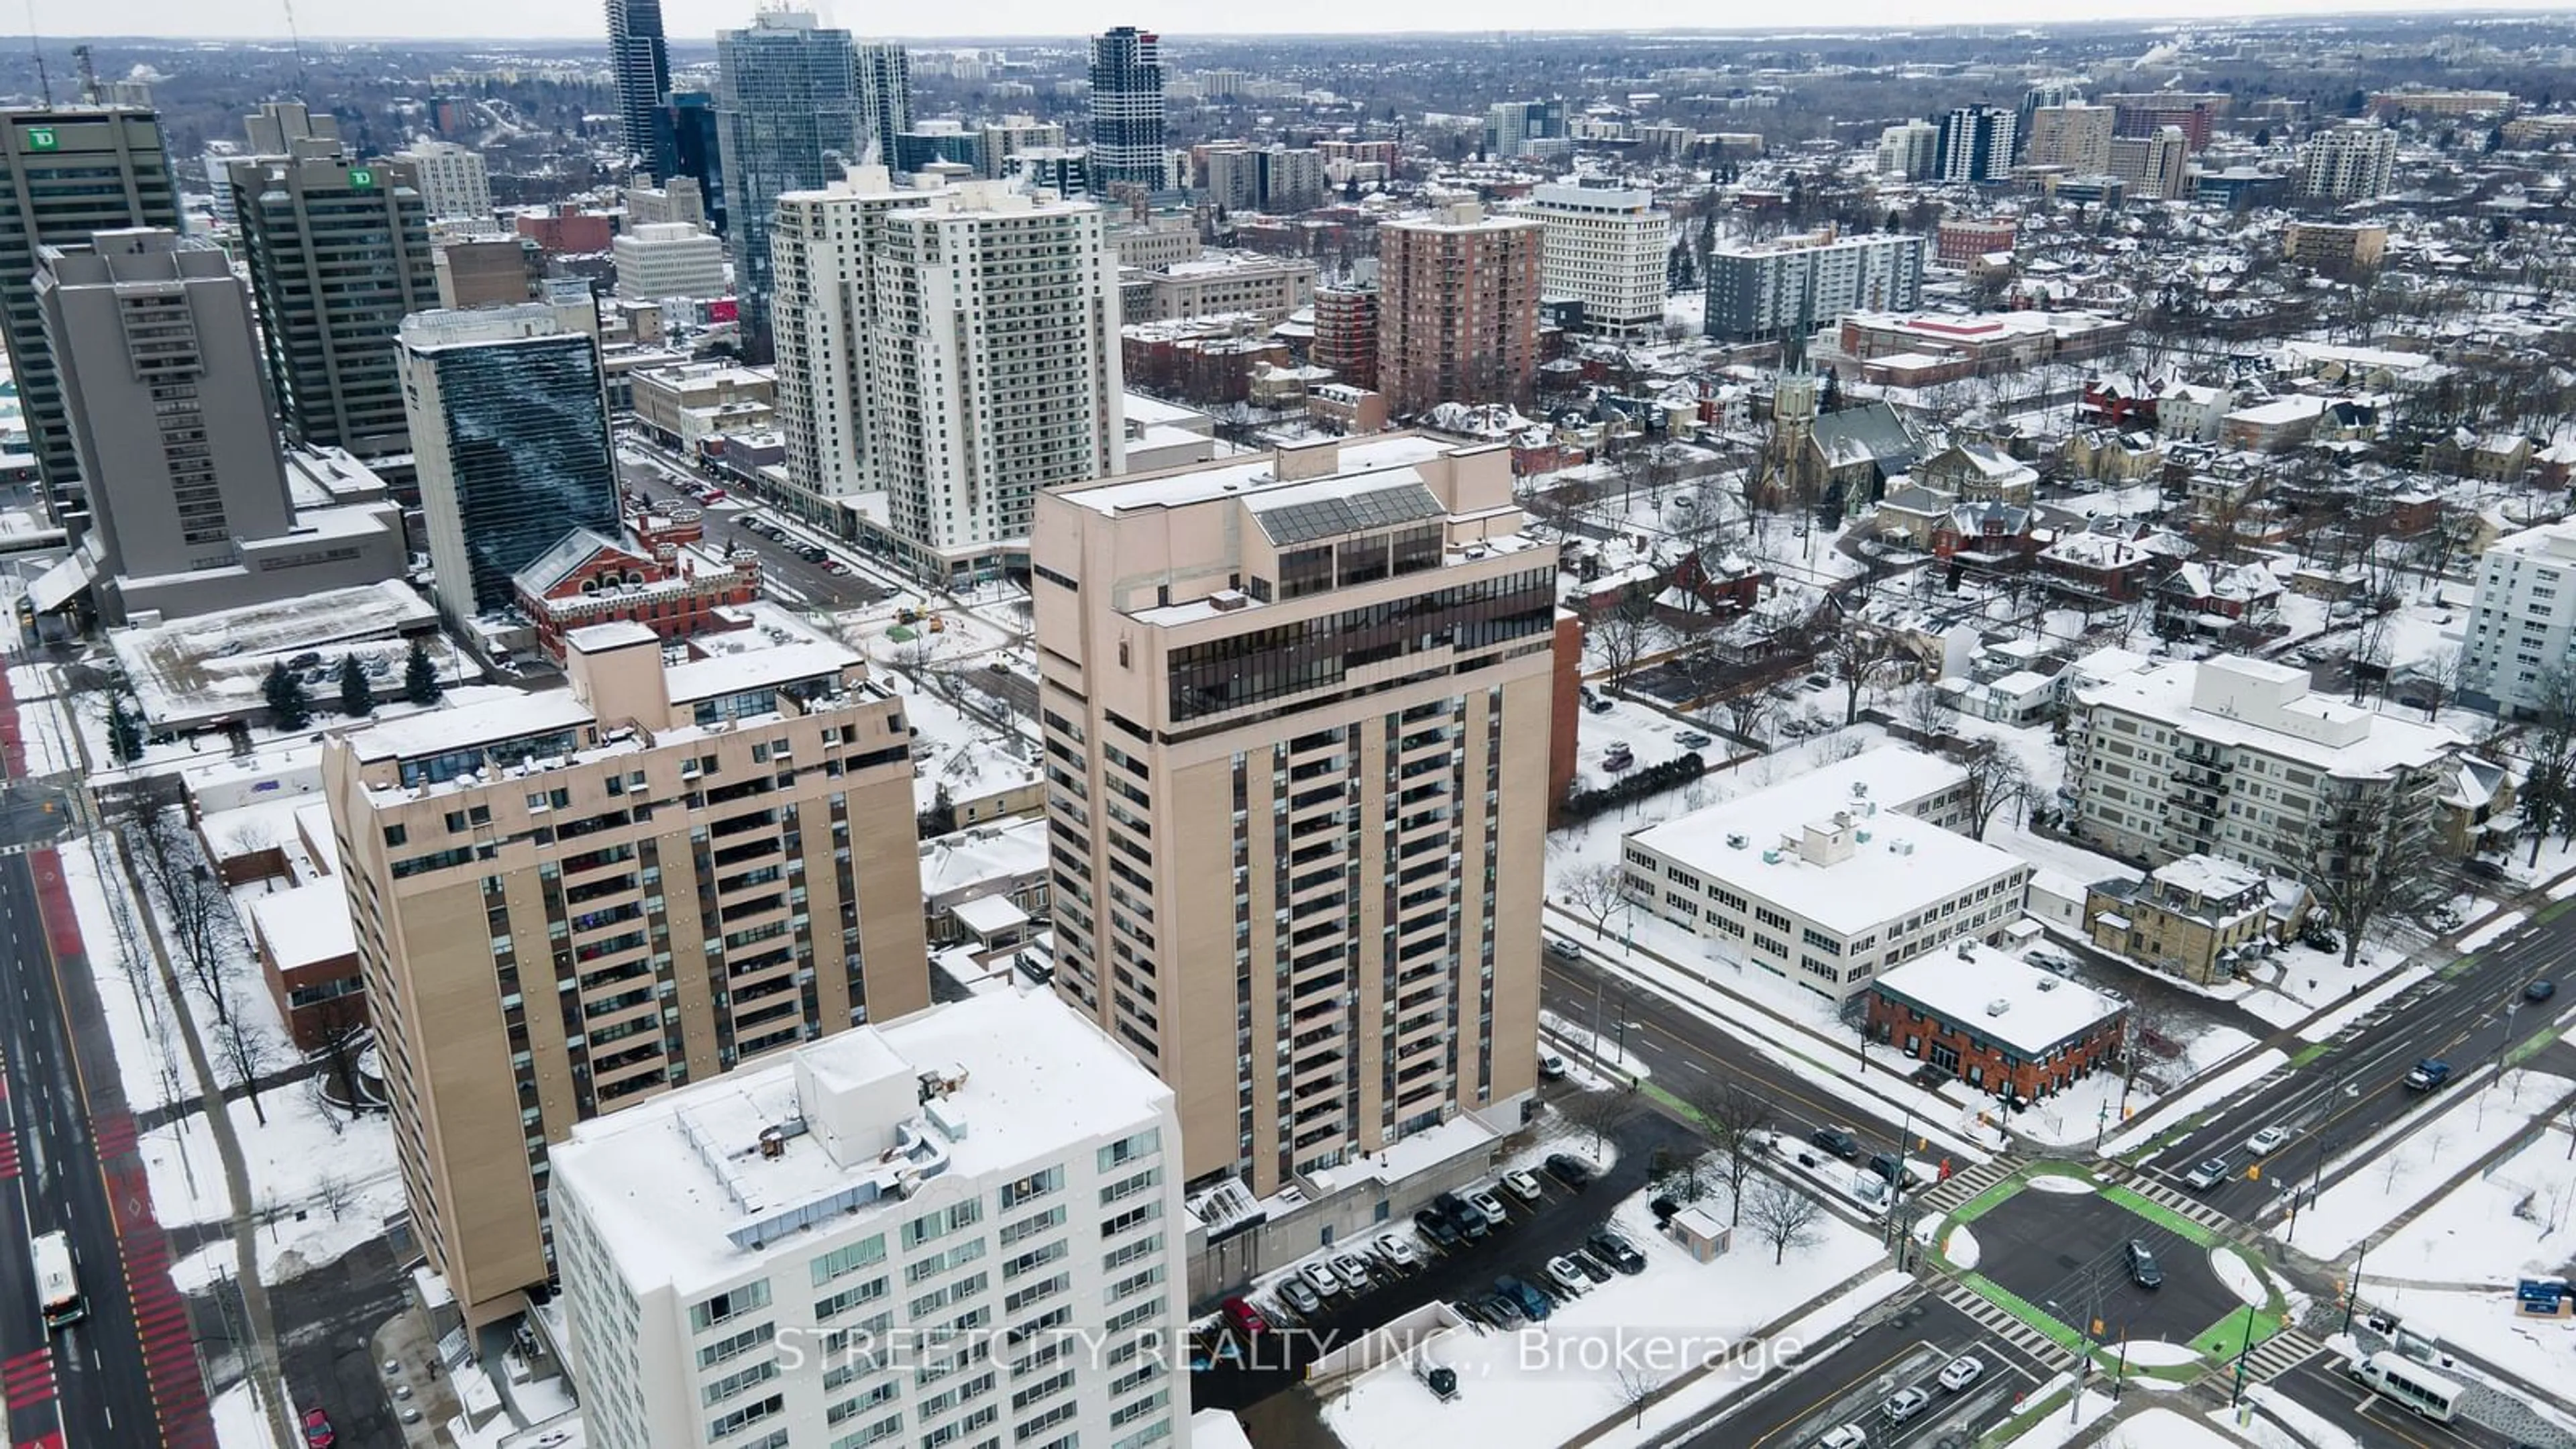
(1545, 1384)
(2164, 1429)
(2472, 1123)
(317, 1191)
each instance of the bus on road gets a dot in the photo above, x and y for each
(2398, 1377)
(59, 1284)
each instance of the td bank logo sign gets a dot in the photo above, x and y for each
(361, 177)
(43, 138)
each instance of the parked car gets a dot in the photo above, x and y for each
(1567, 1275)
(1436, 1227)
(1300, 1299)
(1591, 1267)
(1691, 740)
(1532, 1303)
(1551, 1067)
(1907, 1402)
(1837, 1141)
(1468, 1222)
(1617, 1251)
(1320, 1277)
(2142, 1266)
(1396, 1252)
(2210, 1173)
(1664, 1208)
(1353, 1272)
(2267, 1141)
(1483, 1201)
(1242, 1317)
(1569, 1169)
(1522, 1185)
(1962, 1371)
(318, 1433)
(1617, 760)
(2540, 991)
(1503, 1312)
(1890, 1169)
(1600, 705)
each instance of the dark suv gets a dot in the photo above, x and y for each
(1836, 1141)
(2142, 1266)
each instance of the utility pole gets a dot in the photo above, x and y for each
(2352, 1290)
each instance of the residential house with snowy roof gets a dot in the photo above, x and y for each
(2200, 917)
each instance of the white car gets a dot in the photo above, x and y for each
(1905, 1403)
(1962, 1371)
(1849, 1436)
(1567, 1276)
(1484, 1201)
(1353, 1273)
(2210, 1173)
(1319, 1276)
(1522, 1185)
(1397, 1252)
(2267, 1141)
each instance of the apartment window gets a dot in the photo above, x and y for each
(729, 1305)
(1032, 1187)
(849, 1259)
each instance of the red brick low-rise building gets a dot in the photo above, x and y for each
(1997, 1023)
(676, 592)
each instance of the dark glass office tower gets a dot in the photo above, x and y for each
(685, 144)
(510, 428)
(642, 64)
(1127, 109)
(788, 115)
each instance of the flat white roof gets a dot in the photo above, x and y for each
(306, 925)
(1963, 986)
(782, 663)
(466, 725)
(1905, 864)
(2163, 693)
(1199, 485)
(1037, 1078)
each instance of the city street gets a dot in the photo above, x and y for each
(1852, 1383)
(792, 579)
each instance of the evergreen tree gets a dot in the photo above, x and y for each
(124, 732)
(420, 676)
(357, 697)
(289, 706)
(939, 819)
(2263, 137)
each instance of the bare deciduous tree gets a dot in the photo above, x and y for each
(1994, 777)
(1738, 1122)
(1599, 890)
(248, 1052)
(2370, 852)
(1620, 632)
(1783, 1216)
(1749, 712)
(1635, 1391)
(1854, 656)
(1927, 712)
(335, 1193)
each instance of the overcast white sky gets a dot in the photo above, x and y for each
(699, 19)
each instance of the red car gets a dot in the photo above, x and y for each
(318, 1433)
(1243, 1318)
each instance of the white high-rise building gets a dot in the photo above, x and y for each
(1910, 149)
(963, 1228)
(669, 259)
(943, 354)
(820, 244)
(1604, 247)
(453, 183)
(2352, 162)
(2522, 624)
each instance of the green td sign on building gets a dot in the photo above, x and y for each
(42, 138)
(361, 177)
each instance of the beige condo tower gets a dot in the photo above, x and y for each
(1297, 712)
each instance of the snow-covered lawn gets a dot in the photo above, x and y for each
(1545, 1384)
(298, 1164)
(2493, 931)
(2083, 1111)
(2415, 1168)
(149, 1061)
(2164, 1429)
(2054, 1429)
(2306, 1429)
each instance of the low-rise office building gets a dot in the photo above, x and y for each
(1832, 876)
(1996, 1022)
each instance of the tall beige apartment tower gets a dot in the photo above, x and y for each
(677, 868)
(1296, 712)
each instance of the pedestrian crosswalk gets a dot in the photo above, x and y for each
(8, 1154)
(28, 1379)
(2279, 1354)
(1964, 1184)
(1999, 1321)
(2171, 1199)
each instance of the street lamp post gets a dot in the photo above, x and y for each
(2352, 1290)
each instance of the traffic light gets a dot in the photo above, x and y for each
(2254, 1172)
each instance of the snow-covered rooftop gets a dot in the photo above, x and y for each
(1200, 484)
(307, 925)
(679, 1182)
(2259, 705)
(1891, 864)
(1999, 997)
